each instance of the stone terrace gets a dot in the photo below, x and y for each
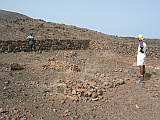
(126, 46)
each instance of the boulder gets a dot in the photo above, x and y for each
(15, 66)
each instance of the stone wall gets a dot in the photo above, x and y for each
(126, 48)
(49, 44)
(118, 47)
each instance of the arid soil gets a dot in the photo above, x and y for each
(82, 85)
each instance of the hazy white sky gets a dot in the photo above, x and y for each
(114, 17)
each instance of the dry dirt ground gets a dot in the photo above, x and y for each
(83, 85)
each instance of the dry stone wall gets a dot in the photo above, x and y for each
(123, 47)
(49, 44)
(118, 47)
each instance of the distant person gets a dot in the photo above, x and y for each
(31, 41)
(141, 56)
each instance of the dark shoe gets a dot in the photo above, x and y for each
(143, 82)
(142, 78)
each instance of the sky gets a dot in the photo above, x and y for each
(123, 18)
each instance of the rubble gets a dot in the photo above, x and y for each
(48, 89)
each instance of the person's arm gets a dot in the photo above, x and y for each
(141, 47)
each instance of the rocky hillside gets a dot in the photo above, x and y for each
(6, 15)
(15, 26)
(20, 29)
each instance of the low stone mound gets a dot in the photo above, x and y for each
(15, 66)
(60, 65)
(84, 90)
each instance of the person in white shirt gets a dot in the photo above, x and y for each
(141, 56)
(31, 41)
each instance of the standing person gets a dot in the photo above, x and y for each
(31, 41)
(141, 57)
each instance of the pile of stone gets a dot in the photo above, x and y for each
(84, 90)
(60, 65)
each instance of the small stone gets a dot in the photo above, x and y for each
(74, 92)
(157, 94)
(60, 81)
(100, 97)
(89, 93)
(103, 100)
(5, 88)
(99, 92)
(114, 84)
(7, 118)
(7, 107)
(74, 99)
(7, 82)
(66, 111)
(105, 83)
(155, 85)
(32, 115)
(86, 95)
(60, 88)
(98, 74)
(92, 90)
(15, 111)
(94, 95)
(91, 87)
(155, 80)
(1, 110)
(95, 99)
(76, 117)
(102, 75)
(96, 88)
(126, 78)
(84, 99)
(14, 118)
(65, 92)
(121, 82)
(54, 110)
(137, 106)
(111, 85)
(81, 90)
(62, 101)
